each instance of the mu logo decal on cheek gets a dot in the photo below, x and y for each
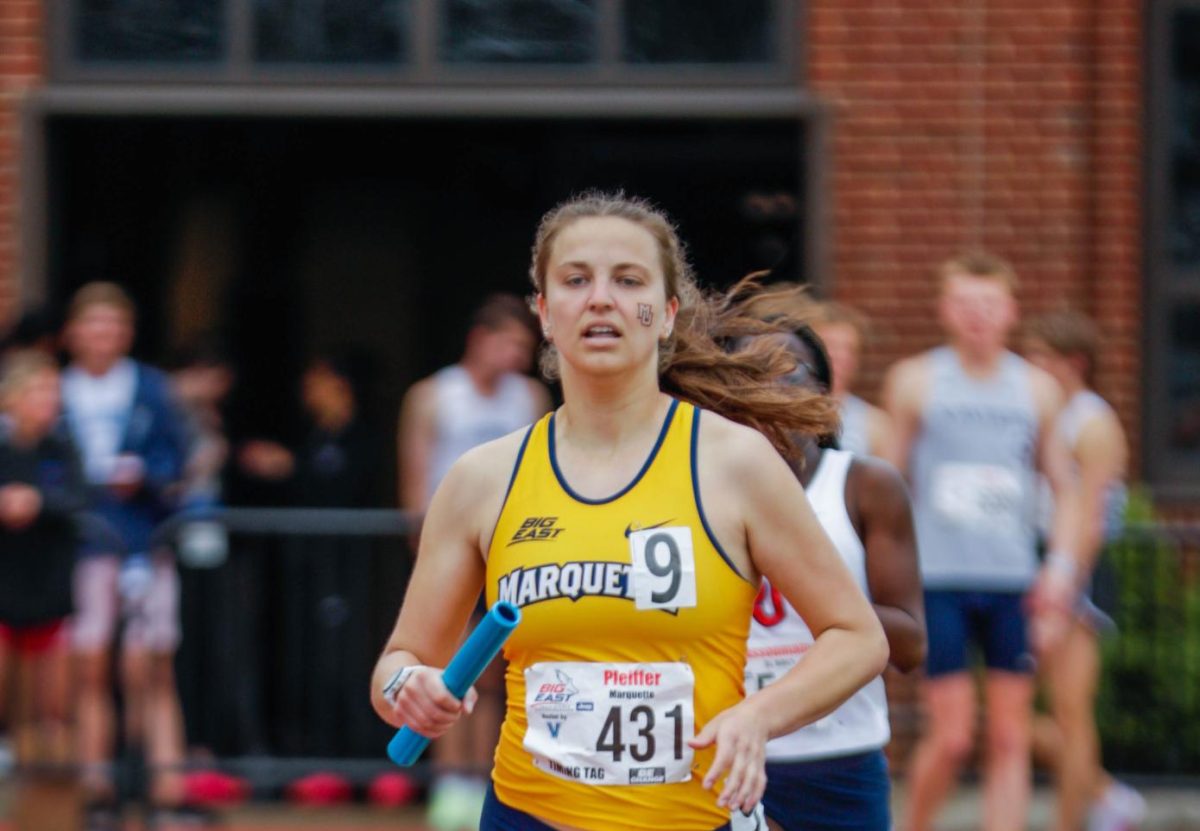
(645, 314)
(537, 529)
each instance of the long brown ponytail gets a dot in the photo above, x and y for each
(693, 363)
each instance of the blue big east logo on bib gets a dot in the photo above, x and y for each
(559, 691)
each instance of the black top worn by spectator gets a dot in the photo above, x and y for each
(36, 562)
(338, 469)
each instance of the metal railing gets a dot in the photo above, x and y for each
(280, 638)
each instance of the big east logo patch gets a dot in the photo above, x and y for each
(537, 529)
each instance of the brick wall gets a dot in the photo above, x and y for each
(1012, 125)
(21, 67)
(1007, 124)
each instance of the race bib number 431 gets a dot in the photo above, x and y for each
(611, 724)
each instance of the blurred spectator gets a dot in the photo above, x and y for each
(201, 380)
(37, 329)
(974, 425)
(866, 430)
(134, 448)
(322, 586)
(221, 597)
(482, 397)
(1066, 345)
(41, 487)
(261, 462)
(337, 464)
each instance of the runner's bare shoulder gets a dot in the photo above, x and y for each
(1047, 394)
(906, 382)
(734, 451)
(874, 484)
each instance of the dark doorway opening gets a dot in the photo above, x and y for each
(293, 235)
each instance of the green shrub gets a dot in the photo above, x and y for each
(1148, 708)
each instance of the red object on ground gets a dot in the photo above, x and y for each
(211, 787)
(34, 640)
(320, 789)
(392, 790)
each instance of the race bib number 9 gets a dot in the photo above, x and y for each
(663, 568)
(978, 496)
(611, 724)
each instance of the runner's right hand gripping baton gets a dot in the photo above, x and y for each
(463, 670)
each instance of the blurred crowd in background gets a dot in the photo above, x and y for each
(112, 472)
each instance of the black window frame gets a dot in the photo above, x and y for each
(424, 67)
(1168, 286)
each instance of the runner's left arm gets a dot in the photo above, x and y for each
(1054, 463)
(1101, 456)
(784, 541)
(893, 573)
(1056, 590)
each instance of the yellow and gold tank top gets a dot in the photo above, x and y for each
(632, 637)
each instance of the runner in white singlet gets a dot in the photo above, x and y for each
(1065, 345)
(832, 775)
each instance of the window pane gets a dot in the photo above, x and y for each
(1185, 140)
(331, 31)
(1183, 382)
(183, 31)
(699, 31)
(519, 31)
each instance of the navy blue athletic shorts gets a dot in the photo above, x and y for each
(992, 621)
(499, 817)
(848, 792)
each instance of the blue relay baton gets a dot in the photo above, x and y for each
(463, 670)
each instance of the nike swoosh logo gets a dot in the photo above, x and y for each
(629, 529)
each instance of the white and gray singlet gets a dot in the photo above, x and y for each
(973, 475)
(855, 435)
(1084, 406)
(466, 418)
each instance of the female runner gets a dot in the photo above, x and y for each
(632, 526)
